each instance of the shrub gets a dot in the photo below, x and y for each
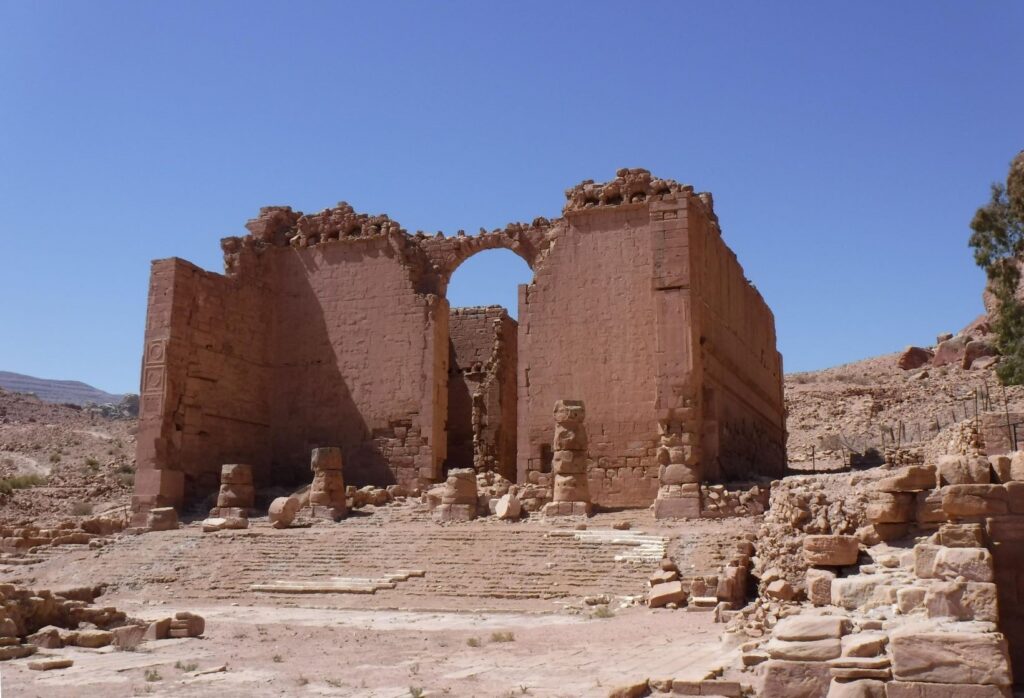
(20, 482)
(81, 508)
(55, 458)
(502, 637)
(473, 642)
(153, 675)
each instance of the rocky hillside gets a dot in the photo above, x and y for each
(873, 403)
(59, 460)
(60, 391)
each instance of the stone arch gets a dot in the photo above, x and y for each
(446, 254)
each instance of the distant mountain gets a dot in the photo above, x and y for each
(74, 392)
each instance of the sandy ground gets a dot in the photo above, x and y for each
(500, 610)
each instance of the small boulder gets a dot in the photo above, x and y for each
(914, 357)
(508, 508)
(282, 511)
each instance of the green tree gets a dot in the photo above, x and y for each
(998, 243)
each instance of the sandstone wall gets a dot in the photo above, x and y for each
(744, 408)
(332, 329)
(204, 383)
(482, 390)
(357, 362)
(587, 332)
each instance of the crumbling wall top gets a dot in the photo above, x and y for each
(630, 186)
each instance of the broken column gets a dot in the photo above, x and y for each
(459, 497)
(678, 473)
(327, 493)
(569, 462)
(237, 494)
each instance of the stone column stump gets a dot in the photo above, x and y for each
(459, 498)
(569, 462)
(327, 493)
(678, 474)
(237, 494)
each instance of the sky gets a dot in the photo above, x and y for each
(847, 146)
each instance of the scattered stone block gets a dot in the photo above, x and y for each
(632, 690)
(508, 507)
(862, 688)
(811, 627)
(973, 564)
(864, 591)
(831, 550)
(890, 507)
(282, 511)
(819, 586)
(47, 637)
(919, 689)
(780, 590)
(803, 650)
(16, 652)
(974, 500)
(950, 657)
(912, 478)
(665, 593)
(158, 630)
(865, 644)
(162, 519)
(786, 679)
(50, 663)
(961, 536)
(909, 599)
(92, 638)
(964, 470)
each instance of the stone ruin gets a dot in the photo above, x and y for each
(333, 329)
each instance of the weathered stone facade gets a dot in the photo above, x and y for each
(332, 329)
(482, 391)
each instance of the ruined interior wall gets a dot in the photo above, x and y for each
(744, 411)
(354, 362)
(204, 376)
(586, 332)
(482, 390)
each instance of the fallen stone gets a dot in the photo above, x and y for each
(162, 519)
(786, 679)
(158, 629)
(811, 627)
(961, 536)
(917, 689)
(964, 470)
(912, 478)
(973, 564)
(910, 598)
(508, 508)
(92, 638)
(282, 511)
(780, 590)
(914, 357)
(50, 663)
(950, 657)
(867, 644)
(47, 637)
(665, 593)
(863, 688)
(633, 690)
(803, 650)
(16, 651)
(128, 637)
(819, 586)
(890, 507)
(974, 500)
(831, 551)
(864, 591)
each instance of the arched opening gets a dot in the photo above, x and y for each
(483, 296)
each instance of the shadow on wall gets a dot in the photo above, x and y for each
(311, 402)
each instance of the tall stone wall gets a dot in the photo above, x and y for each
(354, 361)
(204, 387)
(587, 331)
(481, 422)
(332, 329)
(742, 394)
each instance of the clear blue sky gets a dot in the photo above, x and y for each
(847, 145)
